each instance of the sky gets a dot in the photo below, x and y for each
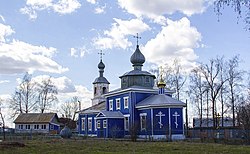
(62, 38)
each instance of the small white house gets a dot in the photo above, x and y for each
(46, 123)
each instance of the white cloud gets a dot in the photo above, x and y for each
(60, 6)
(18, 57)
(4, 81)
(67, 90)
(78, 52)
(116, 36)
(92, 1)
(100, 9)
(5, 30)
(2, 18)
(156, 8)
(177, 40)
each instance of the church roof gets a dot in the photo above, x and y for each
(94, 109)
(137, 72)
(110, 114)
(101, 79)
(158, 101)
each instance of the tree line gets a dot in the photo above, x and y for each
(216, 89)
(40, 97)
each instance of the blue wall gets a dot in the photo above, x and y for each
(86, 131)
(176, 129)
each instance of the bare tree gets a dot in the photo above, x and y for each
(235, 78)
(176, 78)
(238, 6)
(197, 88)
(47, 94)
(211, 73)
(70, 108)
(24, 99)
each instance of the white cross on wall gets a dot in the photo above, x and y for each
(176, 115)
(160, 114)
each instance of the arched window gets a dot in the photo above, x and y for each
(104, 90)
(95, 90)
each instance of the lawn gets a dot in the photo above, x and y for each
(111, 146)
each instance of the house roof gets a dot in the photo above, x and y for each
(110, 114)
(35, 118)
(94, 109)
(158, 101)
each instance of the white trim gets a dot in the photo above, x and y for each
(118, 101)
(95, 124)
(109, 117)
(126, 116)
(90, 128)
(152, 122)
(160, 106)
(104, 126)
(83, 123)
(98, 124)
(126, 106)
(143, 114)
(111, 102)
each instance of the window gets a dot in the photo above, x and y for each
(90, 124)
(147, 79)
(95, 124)
(20, 126)
(104, 123)
(98, 124)
(43, 126)
(143, 117)
(126, 122)
(95, 90)
(36, 126)
(104, 90)
(51, 127)
(118, 104)
(27, 126)
(125, 102)
(111, 105)
(83, 124)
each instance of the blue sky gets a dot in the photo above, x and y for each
(61, 38)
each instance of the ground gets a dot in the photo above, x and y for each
(101, 146)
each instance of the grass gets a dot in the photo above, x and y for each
(99, 146)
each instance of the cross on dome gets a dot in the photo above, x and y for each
(101, 54)
(137, 38)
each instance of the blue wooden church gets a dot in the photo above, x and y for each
(136, 107)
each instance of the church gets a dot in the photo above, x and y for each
(138, 107)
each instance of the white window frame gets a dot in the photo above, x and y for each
(141, 117)
(27, 127)
(98, 124)
(90, 124)
(20, 126)
(52, 127)
(83, 124)
(126, 128)
(125, 99)
(111, 105)
(95, 124)
(118, 101)
(36, 126)
(43, 126)
(104, 124)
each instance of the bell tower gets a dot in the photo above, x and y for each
(101, 84)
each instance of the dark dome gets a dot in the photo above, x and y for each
(101, 65)
(137, 58)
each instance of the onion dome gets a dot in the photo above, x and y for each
(137, 58)
(101, 65)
